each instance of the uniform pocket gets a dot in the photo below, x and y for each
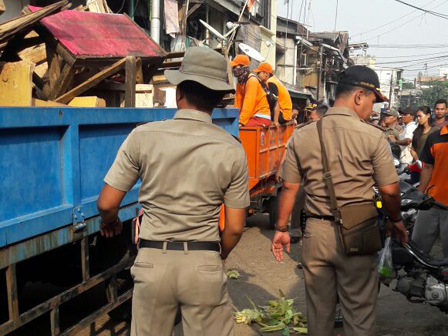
(144, 264)
(209, 268)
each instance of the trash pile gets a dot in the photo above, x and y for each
(83, 57)
(278, 315)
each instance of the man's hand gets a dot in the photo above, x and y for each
(110, 230)
(398, 230)
(278, 179)
(392, 138)
(280, 240)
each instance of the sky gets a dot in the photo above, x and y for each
(416, 37)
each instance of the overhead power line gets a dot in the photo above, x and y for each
(409, 21)
(440, 15)
(409, 56)
(391, 22)
(411, 61)
(408, 46)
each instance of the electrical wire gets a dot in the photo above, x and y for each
(393, 29)
(441, 15)
(408, 46)
(391, 22)
(121, 8)
(411, 61)
(408, 56)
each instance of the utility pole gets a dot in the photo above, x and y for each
(390, 91)
(336, 15)
(286, 37)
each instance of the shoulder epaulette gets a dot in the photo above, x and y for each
(303, 125)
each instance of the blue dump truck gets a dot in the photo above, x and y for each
(52, 163)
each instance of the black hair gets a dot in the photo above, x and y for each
(440, 101)
(321, 110)
(345, 89)
(420, 128)
(203, 98)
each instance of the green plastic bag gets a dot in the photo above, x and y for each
(385, 265)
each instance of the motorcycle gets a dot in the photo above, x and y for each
(417, 275)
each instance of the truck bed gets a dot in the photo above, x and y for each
(53, 160)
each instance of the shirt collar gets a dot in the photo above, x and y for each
(193, 115)
(444, 130)
(342, 111)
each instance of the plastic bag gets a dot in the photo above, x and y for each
(385, 266)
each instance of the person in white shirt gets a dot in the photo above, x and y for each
(405, 139)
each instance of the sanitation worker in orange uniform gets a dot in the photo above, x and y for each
(278, 90)
(250, 96)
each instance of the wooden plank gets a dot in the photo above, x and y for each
(144, 95)
(16, 84)
(139, 75)
(55, 45)
(46, 103)
(54, 66)
(41, 69)
(13, 294)
(88, 101)
(35, 54)
(12, 27)
(2, 7)
(131, 74)
(112, 70)
(62, 82)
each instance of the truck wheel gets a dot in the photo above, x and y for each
(124, 311)
(272, 210)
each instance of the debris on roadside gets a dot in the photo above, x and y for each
(233, 274)
(43, 52)
(278, 315)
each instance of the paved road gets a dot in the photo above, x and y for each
(262, 277)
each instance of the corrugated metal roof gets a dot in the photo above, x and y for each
(87, 34)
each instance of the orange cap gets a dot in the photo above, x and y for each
(264, 67)
(240, 60)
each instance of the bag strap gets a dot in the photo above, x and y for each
(328, 179)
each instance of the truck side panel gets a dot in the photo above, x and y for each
(53, 161)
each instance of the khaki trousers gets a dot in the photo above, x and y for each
(329, 275)
(192, 280)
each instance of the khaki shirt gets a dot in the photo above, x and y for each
(358, 155)
(392, 131)
(188, 168)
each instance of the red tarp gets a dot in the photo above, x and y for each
(88, 34)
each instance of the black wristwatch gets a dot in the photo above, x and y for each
(281, 229)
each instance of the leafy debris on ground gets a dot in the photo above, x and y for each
(278, 315)
(233, 274)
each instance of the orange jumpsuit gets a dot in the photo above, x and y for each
(251, 99)
(284, 99)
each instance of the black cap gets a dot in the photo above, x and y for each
(408, 110)
(362, 76)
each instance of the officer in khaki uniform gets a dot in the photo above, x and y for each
(188, 168)
(392, 131)
(359, 158)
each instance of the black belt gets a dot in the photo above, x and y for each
(179, 246)
(327, 218)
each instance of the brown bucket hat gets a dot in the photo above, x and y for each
(204, 66)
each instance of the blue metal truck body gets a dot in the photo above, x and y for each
(52, 163)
